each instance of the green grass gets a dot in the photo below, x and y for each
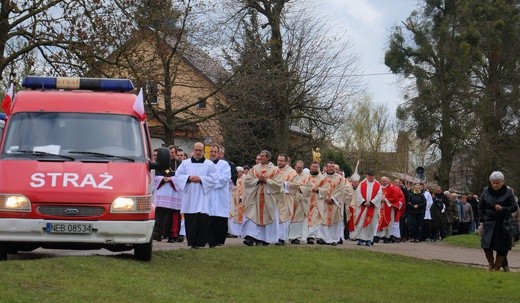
(469, 240)
(253, 274)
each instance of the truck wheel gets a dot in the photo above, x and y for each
(143, 252)
(3, 252)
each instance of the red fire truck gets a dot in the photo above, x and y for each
(75, 168)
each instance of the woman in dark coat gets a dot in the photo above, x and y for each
(416, 208)
(496, 204)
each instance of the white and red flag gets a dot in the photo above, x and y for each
(139, 105)
(8, 99)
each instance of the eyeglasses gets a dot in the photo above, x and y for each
(197, 149)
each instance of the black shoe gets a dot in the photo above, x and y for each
(310, 241)
(295, 241)
(393, 239)
(340, 241)
(264, 243)
(180, 239)
(280, 242)
(249, 241)
(334, 243)
(156, 236)
(320, 242)
(376, 239)
(195, 246)
(386, 241)
(171, 240)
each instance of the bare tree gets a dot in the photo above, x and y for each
(365, 132)
(28, 27)
(47, 36)
(300, 77)
(161, 49)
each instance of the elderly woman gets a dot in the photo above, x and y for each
(496, 204)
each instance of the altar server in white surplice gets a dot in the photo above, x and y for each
(196, 177)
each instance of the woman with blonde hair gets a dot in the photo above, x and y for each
(416, 209)
(496, 204)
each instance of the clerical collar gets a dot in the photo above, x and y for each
(201, 160)
(314, 173)
(331, 174)
(215, 161)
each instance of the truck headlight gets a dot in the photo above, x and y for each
(128, 205)
(14, 203)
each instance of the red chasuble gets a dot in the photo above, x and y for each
(371, 207)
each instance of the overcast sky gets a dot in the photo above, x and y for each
(368, 24)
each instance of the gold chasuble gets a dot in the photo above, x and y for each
(313, 216)
(300, 206)
(333, 186)
(349, 194)
(237, 208)
(285, 204)
(260, 199)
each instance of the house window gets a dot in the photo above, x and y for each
(202, 103)
(151, 92)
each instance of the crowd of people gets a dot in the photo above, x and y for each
(277, 204)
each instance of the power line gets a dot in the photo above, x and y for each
(375, 74)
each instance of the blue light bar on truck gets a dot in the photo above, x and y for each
(96, 84)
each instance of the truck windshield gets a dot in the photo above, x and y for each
(80, 136)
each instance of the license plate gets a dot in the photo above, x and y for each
(68, 228)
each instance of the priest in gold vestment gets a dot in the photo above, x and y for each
(262, 189)
(329, 203)
(285, 212)
(311, 194)
(299, 227)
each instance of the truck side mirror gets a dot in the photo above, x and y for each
(2, 121)
(163, 159)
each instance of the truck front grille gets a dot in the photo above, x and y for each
(70, 211)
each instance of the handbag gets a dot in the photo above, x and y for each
(511, 229)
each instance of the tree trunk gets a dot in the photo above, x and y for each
(282, 134)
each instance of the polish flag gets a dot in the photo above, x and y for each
(8, 99)
(139, 105)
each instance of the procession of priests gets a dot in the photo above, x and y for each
(274, 202)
